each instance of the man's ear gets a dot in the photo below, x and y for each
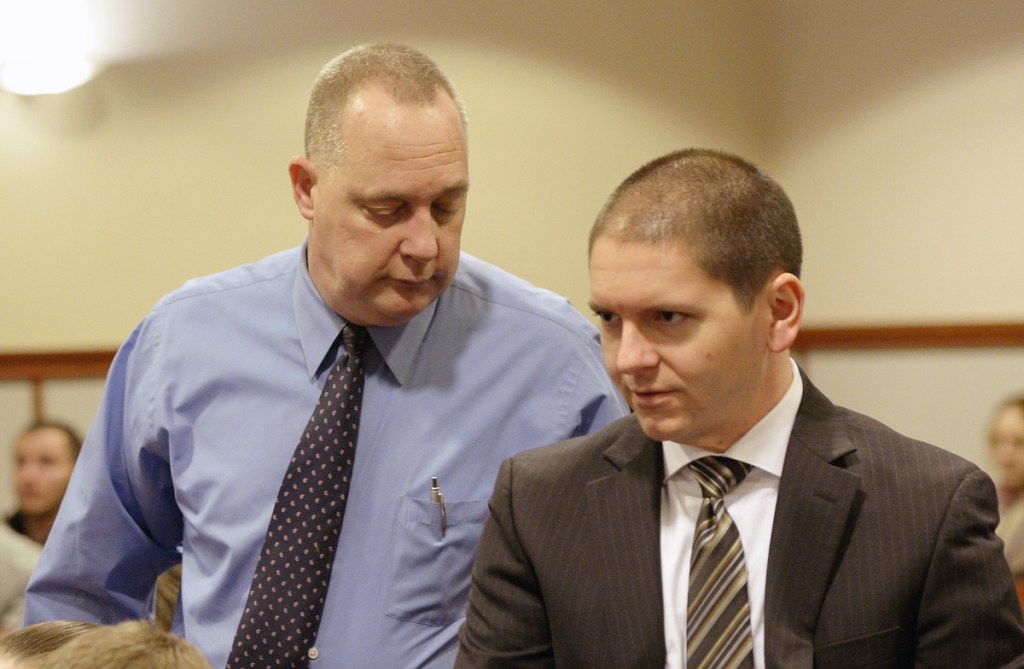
(786, 295)
(303, 175)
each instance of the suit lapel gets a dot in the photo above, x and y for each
(626, 507)
(816, 505)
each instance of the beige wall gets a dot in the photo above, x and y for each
(899, 135)
(895, 126)
(175, 165)
(163, 169)
(898, 131)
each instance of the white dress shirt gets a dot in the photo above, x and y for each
(751, 505)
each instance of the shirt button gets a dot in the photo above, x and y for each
(313, 653)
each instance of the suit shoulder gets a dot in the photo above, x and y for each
(574, 455)
(902, 455)
(839, 434)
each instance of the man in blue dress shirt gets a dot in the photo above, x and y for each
(207, 398)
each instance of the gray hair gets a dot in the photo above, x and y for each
(408, 76)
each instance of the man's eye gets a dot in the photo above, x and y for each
(446, 209)
(670, 316)
(383, 213)
(605, 316)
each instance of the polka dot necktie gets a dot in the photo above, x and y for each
(718, 612)
(282, 613)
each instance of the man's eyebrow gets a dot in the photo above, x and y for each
(457, 189)
(389, 196)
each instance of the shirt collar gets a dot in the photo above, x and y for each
(763, 446)
(319, 325)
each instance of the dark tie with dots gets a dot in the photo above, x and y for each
(286, 599)
(718, 612)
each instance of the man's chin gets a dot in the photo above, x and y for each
(656, 428)
(403, 310)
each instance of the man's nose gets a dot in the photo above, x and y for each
(635, 351)
(420, 241)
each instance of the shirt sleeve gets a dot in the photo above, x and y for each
(107, 547)
(598, 402)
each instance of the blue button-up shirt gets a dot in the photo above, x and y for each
(203, 408)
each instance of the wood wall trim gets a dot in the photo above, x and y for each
(28, 366)
(984, 335)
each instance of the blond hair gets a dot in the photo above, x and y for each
(129, 645)
(33, 641)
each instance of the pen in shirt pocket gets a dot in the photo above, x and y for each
(437, 497)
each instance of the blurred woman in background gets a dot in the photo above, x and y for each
(1006, 440)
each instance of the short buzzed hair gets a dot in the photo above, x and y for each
(407, 75)
(739, 223)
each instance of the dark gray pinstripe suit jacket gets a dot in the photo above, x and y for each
(882, 555)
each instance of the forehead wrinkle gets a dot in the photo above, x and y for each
(411, 168)
(431, 153)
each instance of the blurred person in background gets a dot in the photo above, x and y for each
(18, 557)
(1006, 441)
(44, 454)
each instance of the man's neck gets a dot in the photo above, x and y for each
(37, 527)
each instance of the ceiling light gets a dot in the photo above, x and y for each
(44, 45)
(46, 75)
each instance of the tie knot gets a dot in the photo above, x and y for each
(717, 475)
(355, 337)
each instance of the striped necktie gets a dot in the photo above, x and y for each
(718, 612)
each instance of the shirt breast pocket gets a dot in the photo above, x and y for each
(430, 572)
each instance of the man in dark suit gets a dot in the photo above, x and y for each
(846, 544)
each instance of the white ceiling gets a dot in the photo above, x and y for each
(121, 30)
(125, 30)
